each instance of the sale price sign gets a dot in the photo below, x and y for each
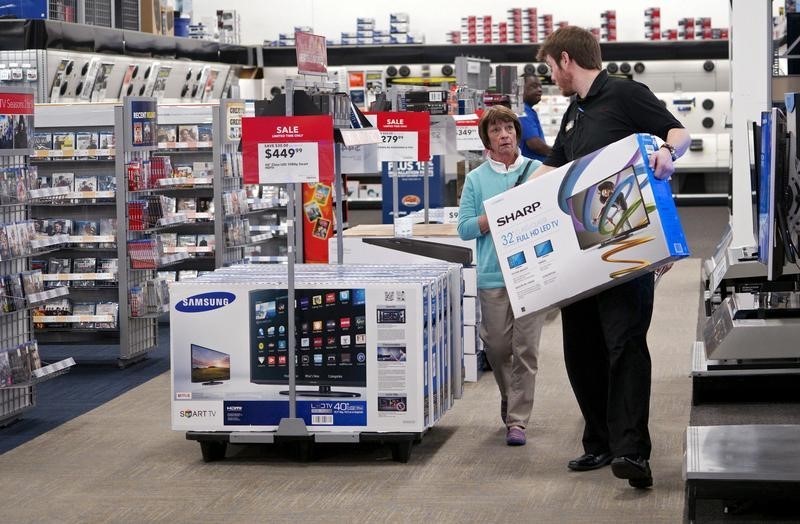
(405, 136)
(467, 137)
(287, 149)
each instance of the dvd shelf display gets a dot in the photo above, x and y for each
(22, 287)
(145, 211)
(74, 153)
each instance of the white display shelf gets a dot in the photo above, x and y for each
(81, 239)
(48, 294)
(70, 153)
(52, 370)
(188, 249)
(81, 195)
(194, 215)
(48, 192)
(60, 277)
(191, 182)
(184, 145)
(67, 319)
(45, 242)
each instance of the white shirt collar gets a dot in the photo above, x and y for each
(499, 167)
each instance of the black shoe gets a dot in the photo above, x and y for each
(590, 461)
(635, 469)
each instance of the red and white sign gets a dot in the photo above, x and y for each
(287, 149)
(16, 103)
(467, 136)
(312, 53)
(405, 136)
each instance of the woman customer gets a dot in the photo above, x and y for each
(512, 344)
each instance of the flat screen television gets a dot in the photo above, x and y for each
(608, 210)
(775, 244)
(209, 367)
(330, 339)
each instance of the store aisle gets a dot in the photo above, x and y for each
(122, 463)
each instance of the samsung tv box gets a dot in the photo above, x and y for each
(595, 222)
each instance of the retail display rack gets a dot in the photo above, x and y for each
(74, 152)
(21, 288)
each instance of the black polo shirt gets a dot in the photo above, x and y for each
(613, 109)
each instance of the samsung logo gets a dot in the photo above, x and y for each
(205, 302)
(519, 213)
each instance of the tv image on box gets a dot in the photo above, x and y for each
(608, 210)
(516, 260)
(209, 367)
(328, 351)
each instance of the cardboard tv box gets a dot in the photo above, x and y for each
(595, 222)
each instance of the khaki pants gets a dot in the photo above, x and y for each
(512, 347)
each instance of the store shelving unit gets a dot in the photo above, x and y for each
(138, 322)
(194, 187)
(74, 156)
(261, 210)
(20, 364)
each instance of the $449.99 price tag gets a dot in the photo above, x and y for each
(288, 162)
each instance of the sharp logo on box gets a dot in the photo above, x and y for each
(200, 413)
(205, 302)
(519, 213)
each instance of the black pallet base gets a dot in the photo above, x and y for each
(213, 445)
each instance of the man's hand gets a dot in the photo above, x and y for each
(661, 164)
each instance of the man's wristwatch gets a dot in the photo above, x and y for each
(671, 150)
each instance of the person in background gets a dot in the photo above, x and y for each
(533, 144)
(512, 344)
(605, 335)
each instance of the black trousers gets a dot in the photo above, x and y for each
(608, 364)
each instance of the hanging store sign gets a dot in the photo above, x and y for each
(312, 53)
(405, 136)
(287, 149)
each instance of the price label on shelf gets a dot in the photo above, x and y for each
(289, 162)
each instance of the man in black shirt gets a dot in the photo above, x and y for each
(605, 335)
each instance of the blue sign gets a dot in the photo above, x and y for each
(314, 413)
(205, 302)
(144, 123)
(411, 187)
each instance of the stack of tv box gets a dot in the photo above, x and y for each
(377, 347)
(473, 346)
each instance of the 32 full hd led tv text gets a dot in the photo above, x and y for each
(209, 366)
(608, 210)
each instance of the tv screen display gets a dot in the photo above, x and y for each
(330, 337)
(608, 210)
(774, 236)
(209, 366)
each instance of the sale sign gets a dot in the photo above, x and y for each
(467, 136)
(312, 53)
(287, 149)
(405, 136)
